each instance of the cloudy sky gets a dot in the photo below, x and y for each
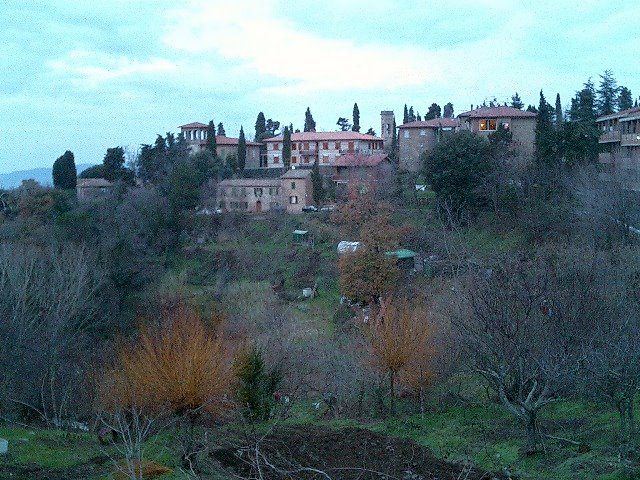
(88, 75)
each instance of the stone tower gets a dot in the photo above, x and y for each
(387, 119)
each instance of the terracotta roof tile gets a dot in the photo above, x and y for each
(250, 182)
(620, 114)
(194, 125)
(496, 112)
(360, 160)
(298, 173)
(324, 136)
(433, 123)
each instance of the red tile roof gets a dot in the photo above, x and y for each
(433, 123)
(193, 125)
(298, 173)
(250, 182)
(620, 114)
(496, 112)
(324, 136)
(221, 140)
(360, 160)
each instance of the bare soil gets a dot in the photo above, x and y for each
(301, 453)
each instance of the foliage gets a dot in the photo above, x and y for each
(211, 138)
(516, 101)
(607, 94)
(456, 168)
(546, 142)
(448, 110)
(256, 387)
(356, 118)
(261, 127)
(64, 172)
(434, 112)
(625, 99)
(286, 148)
(309, 122)
(221, 132)
(366, 276)
(317, 184)
(344, 124)
(95, 171)
(242, 150)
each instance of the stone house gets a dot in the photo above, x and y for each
(297, 190)
(196, 136)
(486, 120)
(620, 147)
(253, 195)
(93, 188)
(415, 138)
(326, 147)
(375, 171)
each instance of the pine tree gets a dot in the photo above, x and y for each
(211, 138)
(625, 99)
(221, 132)
(317, 184)
(448, 110)
(412, 115)
(242, 150)
(64, 171)
(286, 148)
(344, 124)
(516, 102)
(405, 118)
(434, 112)
(356, 118)
(607, 94)
(545, 137)
(309, 122)
(261, 127)
(558, 112)
(371, 132)
(580, 134)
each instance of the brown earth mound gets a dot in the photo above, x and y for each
(301, 453)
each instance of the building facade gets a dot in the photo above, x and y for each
(326, 147)
(372, 171)
(620, 147)
(297, 190)
(196, 136)
(416, 138)
(486, 120)
(252, 195)
(88, 189)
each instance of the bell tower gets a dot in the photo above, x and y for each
(387, 123)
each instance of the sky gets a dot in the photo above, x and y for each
(85, 75)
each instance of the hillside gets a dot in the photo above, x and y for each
(40, 175)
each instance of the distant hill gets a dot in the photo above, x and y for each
(40, 175)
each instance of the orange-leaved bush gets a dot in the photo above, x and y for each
(182, 364)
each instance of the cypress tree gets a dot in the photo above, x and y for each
(242, 150)
(405, 118)
(393, 154)
(356, 118)
(309, 122)
(286, 148)
(317, 184)
(558, 112)
(261, 127)
(221, 131)
(211, 138)
(434, 112)
(448, 110)
(545, 138)
(64, 171)
(113, 163)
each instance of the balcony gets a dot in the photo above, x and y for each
(630, 140)
(607, 137)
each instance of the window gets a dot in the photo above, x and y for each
(488, 124)
(338, 145)
(306, 145)
(325, 159)
(244, 192)
(351, 146)
(325, 145)
(293, 185)
(276, 159)
(276, 146)
(257, 192)
(234, 191)
(294, 146)
(423, 131)
(306, 159)
(293, 199)
(406, 133)
(294, 159)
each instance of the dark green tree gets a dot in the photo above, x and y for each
(64, 171)
(558, 112)
(286, 148)
(371, 132)
(317, 183)
(95, 171)
(393, 153)
(418, 116)
(242, 150)
(580, 133)
(261, 127)
(113, 164)
(356, 118)
(211, 139)
(516, 101)
(271, 128)
(309, 122)
(532, 109)
(344, 124)
(607, 94)
(448, 110)
(625, 99)
(257, 387)
(184, 186)
(434, 112)
(412, 115)
(456, 168)
(546, 140)
(405, 118)
(221, 132)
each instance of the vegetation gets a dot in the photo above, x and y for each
(64, 172)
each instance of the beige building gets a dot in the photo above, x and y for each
(254, 195)
(307, 147)
(196, 136)
(415, 138)
(486, 120)
(93, 188)
(620, 146)
(297, 190)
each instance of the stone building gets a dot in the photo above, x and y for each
(387, 128)
(297, 190)
(196, 136)
(486, 120)
(254, 195)
(374, 171)
(620, 147)
(415, 138)
(88, 189)
(326, 147)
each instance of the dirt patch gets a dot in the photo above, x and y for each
(301, 453)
